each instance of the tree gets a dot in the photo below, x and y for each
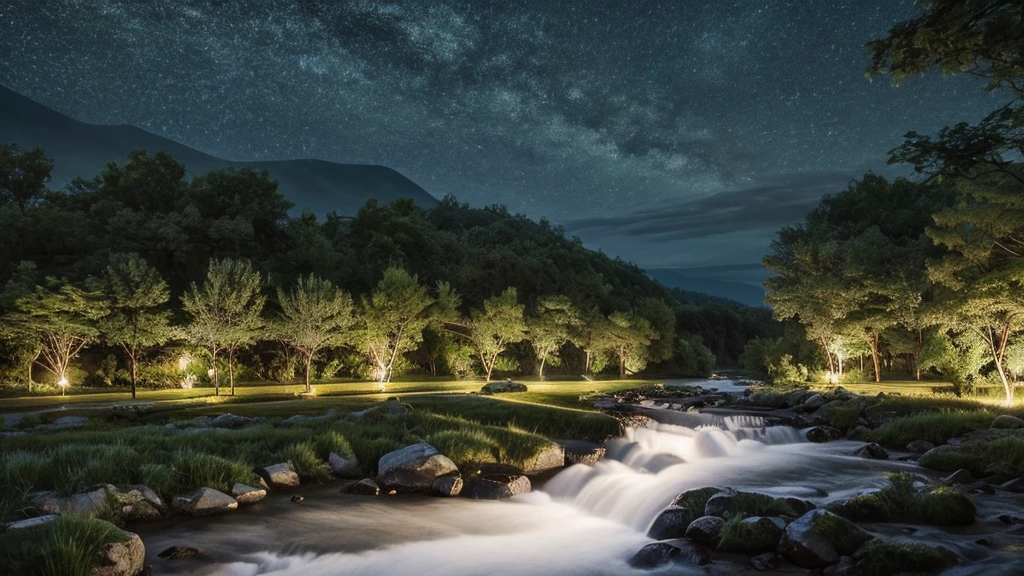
(491, 330)
(226, 312)
(135, 293)
(64, 320)
(314, 315)
(23, 175)
(393, 318)
(631, 335)
(696, 359)
(554, 324)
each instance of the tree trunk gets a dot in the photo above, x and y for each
(216, 374)
(489, 368)
(917, 356)
(30, 363)
(873, 338)
(586, 363)
(828, 355)
(131, 361)
(231, 369)
(309, 364)
(540, 371)
(997, 355)
(622, 364)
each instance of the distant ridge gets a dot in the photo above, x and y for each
(81, 149)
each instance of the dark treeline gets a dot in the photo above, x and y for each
(84, 258)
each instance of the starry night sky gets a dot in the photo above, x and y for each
(597, 114)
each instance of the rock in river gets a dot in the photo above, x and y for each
(413, 468)
(671, 523)
(343, 467)
(246, 494)
(819, 537)
(705, 530)
(205, 501)
(121, 558)
(496, 486)
(279, 475)
(681, 551)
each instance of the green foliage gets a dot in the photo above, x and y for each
(900, 501)
(934, 427)
(747, 537)
(68, 546)
(304, 459)
(977, 456)
(332, 441)
(840, 532)
(695, 500)
(392, 320)
(882, 558)
(314, 315)
(490, 331)
(696, 359)
(754, 504)
(555, 322)
(196, 469)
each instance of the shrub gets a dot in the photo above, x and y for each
(67, 546)
(196, 469)
(936, 428)
(901, 502)
(880, 558)
(306, 463)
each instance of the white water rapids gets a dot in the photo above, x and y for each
(584, 521)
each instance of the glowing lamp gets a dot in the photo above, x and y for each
(832, 378)
(183, 363)
(63, 383)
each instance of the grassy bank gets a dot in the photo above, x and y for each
(67, 546)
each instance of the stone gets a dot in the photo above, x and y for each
(206, 501)
(230, 420)
(296, 498)
(919, 446)
(121, 558)
(808, 543)
(764, 534)
(364, 487)
(305, 418)
(149, 495)
(1010, 520)
(582, 452)
(93, 502)
(551, 457)
(814, 402)
(66, 423)
(845, 567)
(1016, 485)
(413, 468)
(391, 406)
(496, 486)
(1007, 422)
(766, 561)
(344, 468)
(671, 523)
(679, 551)
(279, 475)
(858, 432)
(820, 434)
(178, 552)
(505, 387)
(705, 530)
(799, 505)
(245, 494)
(873, 451)
(30, 522)
(447, 486)
(139, 511)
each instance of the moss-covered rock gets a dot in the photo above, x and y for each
(751, 536)
(732, 503)
(902, 502)
(695, 500)
(881, 558)
(818, 538)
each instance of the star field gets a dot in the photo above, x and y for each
(567, 109)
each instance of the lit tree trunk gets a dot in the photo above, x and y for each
(231, 369)
(309, 367)
(917, 357)
(130, 351)
(828, 355)
(873, 339)
(216, 373)
(586, 363)
(540, 370)
(998, 350)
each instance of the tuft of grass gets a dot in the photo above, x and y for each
(935, 427)
(197, 469)
(747, 537)
(68, 546)
(754, 504)
(695, 500)
(333, 441)
(466, 447)
(880, 558)
(901, 502)
(304, 460)
(976, 456)
(159, 477)
(843, 416)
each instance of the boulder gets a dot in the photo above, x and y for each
(820, 434)
(765, 562)
(1007, 422)
(413, 468)
(93, 502)
(758, 534)
(230, 420)
(872, 451)
(306, 418)
(582, 452)
(496, 486)
(814, 402)
(671, 523)
(845, 567)
(205, 501)
(719, 505)
(858, 432)
(506, 387)
(1016, 485)
(818, 538)
(390, 406)
(919, 446)
(30, 522)
(799, 505)
(178, 552)
(279, 475)
(551, 457)
(246, 494)
(447, 486)
(364, 487)
(149, 495)
(139, 503)
(679, 551)
(705, 530)
(961, 476)
(121, 558)
(344, 468)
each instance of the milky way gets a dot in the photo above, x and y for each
(560, 109)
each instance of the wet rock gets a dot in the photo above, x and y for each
(279, 475)
(508, 386)
(551, 457)
(149, 495)
(30, 522)
(364, 487)
(980, 488)
(296, 498)
(919, 446)
(447, 486)
(1016, 485)
(797, 397)
(582, 452)
(93, 502)
(414, 468)
(858, 432)
(1010, 519)
(121, 558)
(245, 494)
(1007, 422)
(671, 523)
(886, 558)
(799, 505)
(766, 561)
(873, 451)
(814, 402)
(179, 552)
(818, 538)
(820, 434)
(845, 567)
(754, 535)
(205, 501)
(496, 486)
(705, 530)
(343, 467)
(719, 505)
(673, 551)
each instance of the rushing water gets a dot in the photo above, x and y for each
(584, 521)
